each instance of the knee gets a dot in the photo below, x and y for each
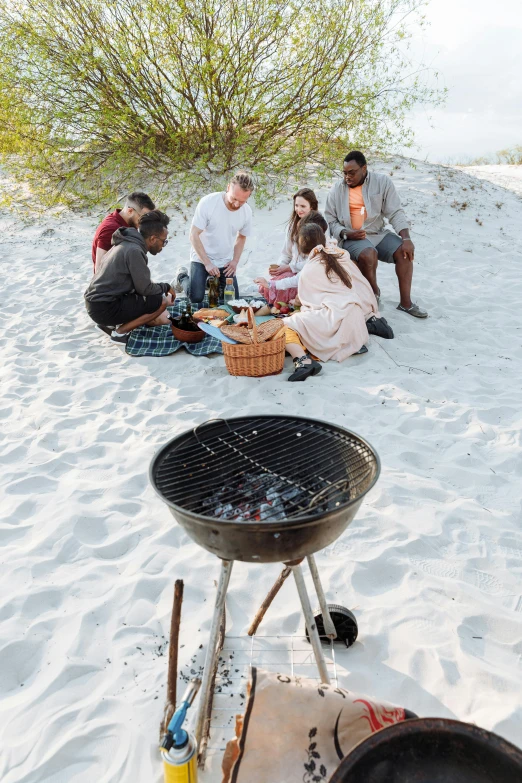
(369, 257)
(399, 256)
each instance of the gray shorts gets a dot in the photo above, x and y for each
(385, 249)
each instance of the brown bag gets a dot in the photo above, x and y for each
(296, 731)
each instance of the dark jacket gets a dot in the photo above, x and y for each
(124, 270)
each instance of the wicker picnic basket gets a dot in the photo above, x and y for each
(258, 358)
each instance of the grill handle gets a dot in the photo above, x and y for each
(209, 421)
(317, 497)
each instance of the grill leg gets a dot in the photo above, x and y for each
(329, 627)
(310, 624)
(206, 683)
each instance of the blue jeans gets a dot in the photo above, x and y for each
(195, 285)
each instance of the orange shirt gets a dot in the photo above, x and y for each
(357, 208)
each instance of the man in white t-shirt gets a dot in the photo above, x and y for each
(220, 226)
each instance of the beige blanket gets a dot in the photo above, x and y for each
(332, 319)
(296, 731)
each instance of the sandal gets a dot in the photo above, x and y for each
(414, 310)
(303, 371)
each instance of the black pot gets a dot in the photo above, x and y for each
(200, 458)
(431, 750)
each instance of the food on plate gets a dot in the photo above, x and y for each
(241, 318)
(241, 304)
(207, 313)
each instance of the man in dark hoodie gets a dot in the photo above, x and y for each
(121, 291)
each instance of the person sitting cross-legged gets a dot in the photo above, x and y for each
(121, 291)
(355, 210)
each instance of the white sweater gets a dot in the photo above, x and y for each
(290, 256)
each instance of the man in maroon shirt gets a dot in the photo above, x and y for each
(136, 205)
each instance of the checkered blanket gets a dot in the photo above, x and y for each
(159, 340)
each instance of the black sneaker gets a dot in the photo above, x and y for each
(116, 337)
(303, 371)
(107, 329)
(380, 327)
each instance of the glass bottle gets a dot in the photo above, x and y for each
(229, 292)
(213, 292)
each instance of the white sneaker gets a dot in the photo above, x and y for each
(181, 271)
(116, 337)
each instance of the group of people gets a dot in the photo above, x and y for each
(333, 280)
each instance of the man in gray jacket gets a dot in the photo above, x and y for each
(121, 292)
(355, 210)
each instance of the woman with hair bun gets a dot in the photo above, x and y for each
(338, 307)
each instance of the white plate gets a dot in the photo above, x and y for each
(215, 332)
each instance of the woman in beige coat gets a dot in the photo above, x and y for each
(337, 307)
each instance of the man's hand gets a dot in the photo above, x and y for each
(408, 249)
(262, 281)
(212, 269)
(230, 269)
(169, 298)
(360, 234)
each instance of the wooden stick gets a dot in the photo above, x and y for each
(172, 677)
(285, 573)
(202, 750)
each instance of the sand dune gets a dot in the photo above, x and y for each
(431, 565)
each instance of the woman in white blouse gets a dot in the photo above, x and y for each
(282, 285)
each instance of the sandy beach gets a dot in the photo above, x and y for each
(431, 566)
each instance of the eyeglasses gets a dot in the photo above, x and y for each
(165, 241)
(352, 172)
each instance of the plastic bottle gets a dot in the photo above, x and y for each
(229, 292)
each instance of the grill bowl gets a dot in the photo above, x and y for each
(326, 468)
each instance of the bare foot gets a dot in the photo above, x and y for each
(161, 320)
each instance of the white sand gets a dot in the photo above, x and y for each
(509, 177)
(431, 565)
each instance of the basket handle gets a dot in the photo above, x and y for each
(204, 423)
(252, 325)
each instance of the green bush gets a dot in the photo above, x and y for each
(98, 97)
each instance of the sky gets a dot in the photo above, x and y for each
(476, 46)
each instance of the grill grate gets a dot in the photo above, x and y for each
(265, 468)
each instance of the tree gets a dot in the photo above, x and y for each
(98, 95)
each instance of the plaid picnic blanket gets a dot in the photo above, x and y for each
(159, 340)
